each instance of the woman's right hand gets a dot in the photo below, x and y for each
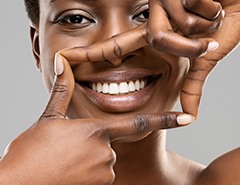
(61, 151)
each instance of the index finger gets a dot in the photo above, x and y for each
(144, 123)
(111, 48)
(200, 7)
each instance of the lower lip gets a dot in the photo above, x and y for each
(120, 103)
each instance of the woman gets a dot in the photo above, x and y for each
(108, 124)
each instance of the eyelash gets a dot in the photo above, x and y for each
(75, 20)
(78, 20)
(145, 17)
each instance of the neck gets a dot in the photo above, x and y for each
(146, 158)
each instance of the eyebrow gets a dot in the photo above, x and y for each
(86, 1)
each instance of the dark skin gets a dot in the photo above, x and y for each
(82, 149)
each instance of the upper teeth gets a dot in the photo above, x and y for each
(119, 88)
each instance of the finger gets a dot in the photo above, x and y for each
(146, 123)
(114, 47)
(193, 85)
(162, 37)
(189, 23)
(205, 8)
(192, 89)
(62, 90)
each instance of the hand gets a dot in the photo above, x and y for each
(190, 17)
(197, 19)
(58, 150)
(228, 37)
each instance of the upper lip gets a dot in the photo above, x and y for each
(117, 76)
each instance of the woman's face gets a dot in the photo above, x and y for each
(144, 81)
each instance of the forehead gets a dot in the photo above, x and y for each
(93, 2)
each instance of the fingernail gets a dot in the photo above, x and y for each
(185, 119)
(58, 65)
(212, 46)
(223, 13)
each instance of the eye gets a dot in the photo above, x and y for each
(75, 19)
(141, 14)
(144, 14)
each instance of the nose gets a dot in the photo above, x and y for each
(115, 24)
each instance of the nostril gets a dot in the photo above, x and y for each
(128, 57)
(116, 62)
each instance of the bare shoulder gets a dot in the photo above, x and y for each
(225, 170)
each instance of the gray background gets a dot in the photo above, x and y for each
(23, 97)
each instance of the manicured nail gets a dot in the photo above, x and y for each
(185, 119)
(212, 46)
(223, 13)
(58, 64)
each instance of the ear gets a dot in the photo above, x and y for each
(34, 34)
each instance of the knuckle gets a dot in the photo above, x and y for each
(51, 113)
(199, 50)
(108, 177)
(157, 39)
(190, 25)
(191, 4)
(169, 120)
(96, 130)
(61, 90)
(210, 63)
(141, 123)
(109, 156)
(117, 49)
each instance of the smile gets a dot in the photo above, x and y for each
(125, 87)
(120, 91)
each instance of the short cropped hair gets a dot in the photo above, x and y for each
(33, 10)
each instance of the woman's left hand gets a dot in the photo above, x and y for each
(228, 37)
(199, 22)
(170, 24)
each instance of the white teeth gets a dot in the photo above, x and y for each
(131, 86)
(113, 88)
(105, 88)
(121, 88)
(137, 85)
(142, 85)
(99, 87)
(94, 87)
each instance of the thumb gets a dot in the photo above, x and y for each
(193, 84)
(62, 89)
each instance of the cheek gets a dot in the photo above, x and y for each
(50, 43)
(168, 94)
(179, 70)
(177, 75)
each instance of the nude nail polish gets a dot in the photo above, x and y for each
(212, 46)
(185, 119)
(58, 64)
(223, 13)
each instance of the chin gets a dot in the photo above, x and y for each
(131, 139)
